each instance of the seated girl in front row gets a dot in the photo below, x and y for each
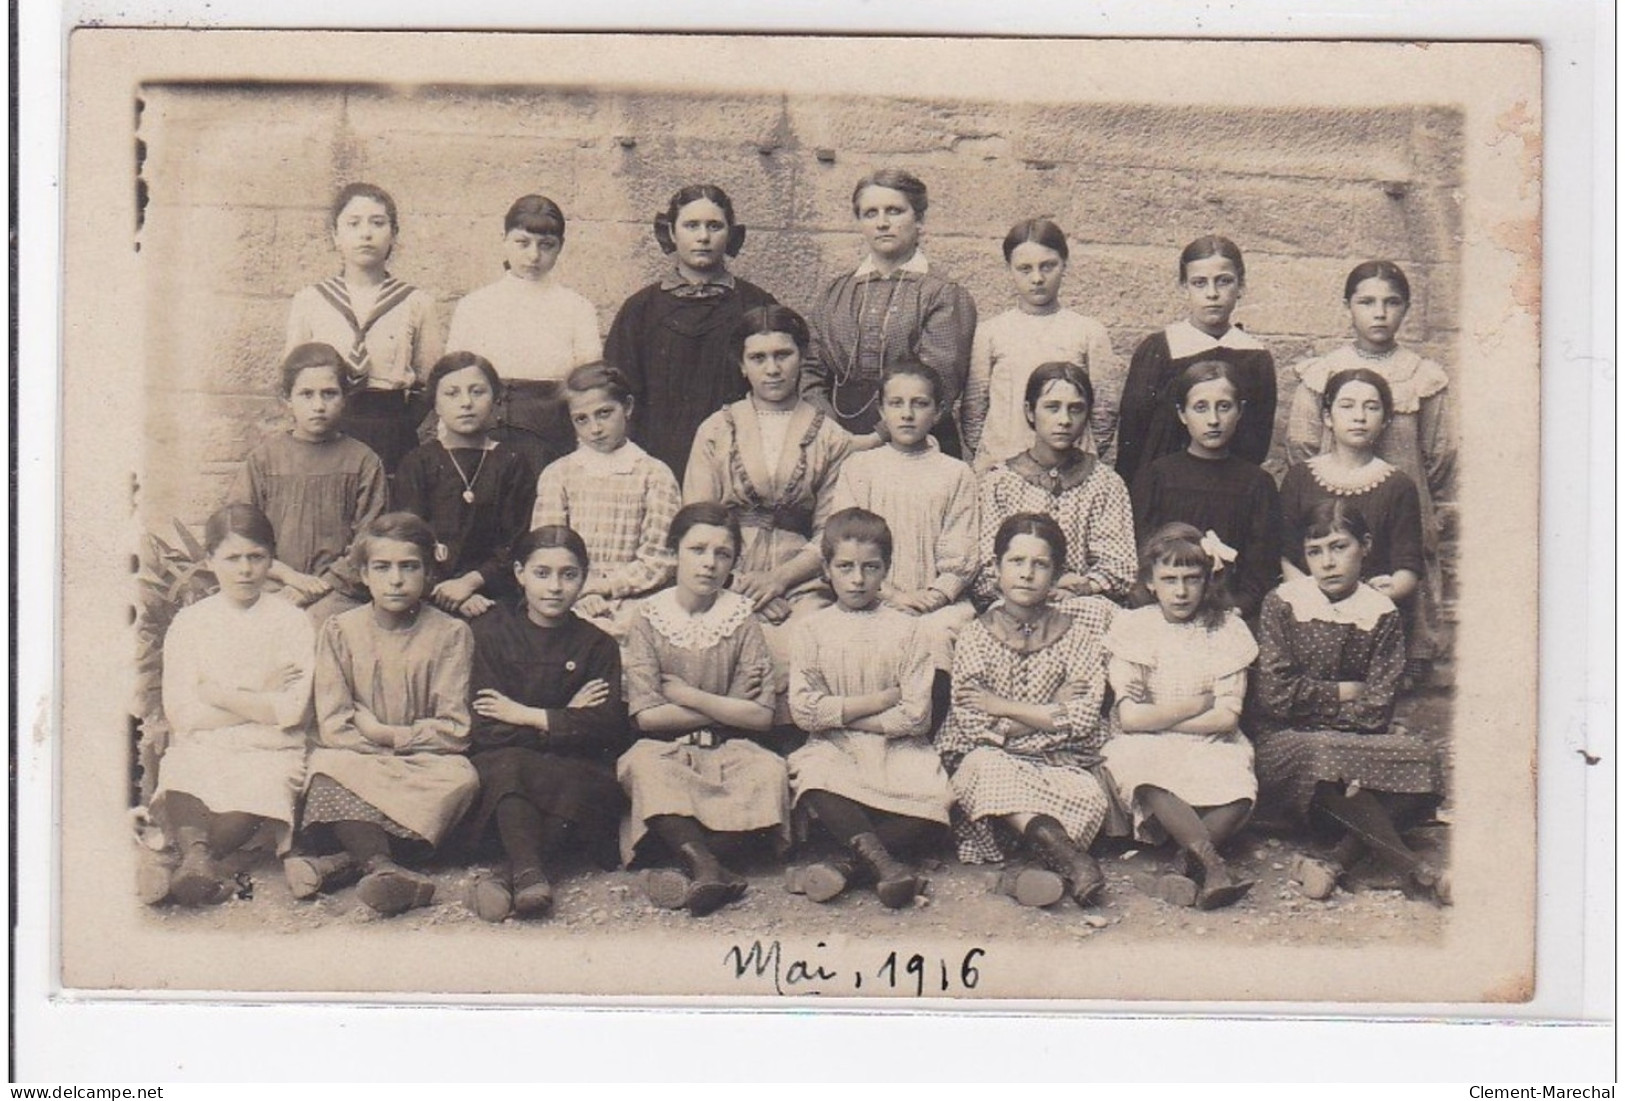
(1026, 726)
(1179, 668)
(548, 724)
(388, 776)
(860, 686)
(699, 684)
(237, 673)
(1331, 652)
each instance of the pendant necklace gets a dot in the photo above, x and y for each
(468, 483)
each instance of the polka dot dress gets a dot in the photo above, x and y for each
(1303, 734)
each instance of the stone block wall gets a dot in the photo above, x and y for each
(238, 177)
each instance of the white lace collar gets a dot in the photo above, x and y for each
(1186, 340)
(620, 461)
(1361, 608)
(695, 632)
(1350, 483)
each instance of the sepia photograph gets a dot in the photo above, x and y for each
(913, 519)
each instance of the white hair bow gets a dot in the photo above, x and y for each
(1218, 553)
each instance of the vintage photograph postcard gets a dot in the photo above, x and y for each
(895, 519)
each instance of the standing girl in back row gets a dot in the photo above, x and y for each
(1038, 330)
(532, 329)
(1212, 276)
(384, 327)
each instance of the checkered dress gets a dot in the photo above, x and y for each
(622, 515)
(1032, 771)
(1093, 512)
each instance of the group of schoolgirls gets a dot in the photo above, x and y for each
(570, 597)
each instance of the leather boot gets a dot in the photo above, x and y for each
(1083, 876)
(1219, 887)
(825, 880)
(895, 882)
(532, 893)
(308, 876)
(1031, 886)
(390, 889)
(712, 886)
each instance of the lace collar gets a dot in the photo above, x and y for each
(1410, 377)
(1362, 608)
(695, 632)
(1348, 483)
(1186, 340)
(1030, 637)
(1072, 471)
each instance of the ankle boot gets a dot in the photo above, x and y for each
(712, 886)
(1031, 886)
(308, 876)
(1219, 887)
(1083, 876)
(532, 893)
(895, 882)
(825, 880)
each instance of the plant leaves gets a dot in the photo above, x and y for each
(193, 548)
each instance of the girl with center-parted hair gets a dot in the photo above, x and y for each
(236, 690)
(1037, 330)
(1054, 476)
(618, 496)
(1356, 408)
(773, 459)
(388, 778)
(1328, 751)
(317, 486)
(860, 686)
(1213, 489)
(1024, 733)
(897, 303)
(549, 722)
(699, 687)
(384, 327)
(1212, 277)
(533, 329)
(671, 338)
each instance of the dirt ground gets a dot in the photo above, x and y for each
(960, 903)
